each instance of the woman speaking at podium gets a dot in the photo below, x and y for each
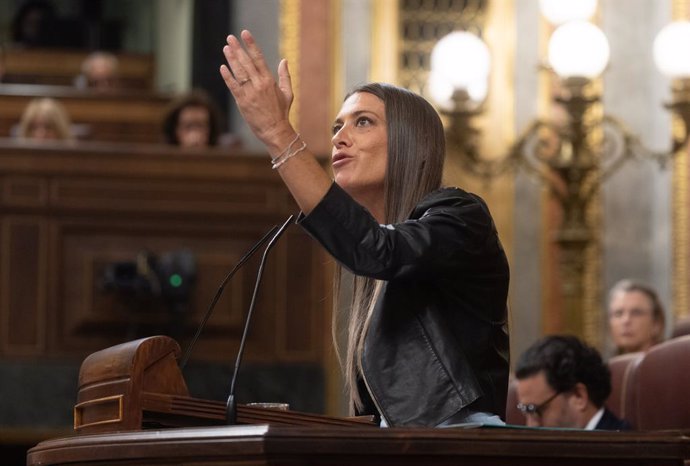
(427, 335)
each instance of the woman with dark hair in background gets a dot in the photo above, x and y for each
(32, 24)
(192, 121)
(427, 337)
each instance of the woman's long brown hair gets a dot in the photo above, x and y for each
(416, 152)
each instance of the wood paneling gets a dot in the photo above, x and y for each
(22, 284)
(70, 212)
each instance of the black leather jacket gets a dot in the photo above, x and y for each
(438, 340)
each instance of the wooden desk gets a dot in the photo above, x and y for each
(266, 445)
(118, 116)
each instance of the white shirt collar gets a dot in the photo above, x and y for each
(591, 425)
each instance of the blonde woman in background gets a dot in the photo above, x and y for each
(45, 119)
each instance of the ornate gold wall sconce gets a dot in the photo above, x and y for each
(575, 153)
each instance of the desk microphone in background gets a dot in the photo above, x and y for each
(270, 234)
(231, 406)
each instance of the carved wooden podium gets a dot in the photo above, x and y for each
(132, 398)
(138, 385)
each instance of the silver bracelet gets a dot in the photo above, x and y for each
(287, 149)
(284, 158)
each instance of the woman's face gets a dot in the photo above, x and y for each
(42, 129)
(193, 127)
(360, 147)
(632, 322)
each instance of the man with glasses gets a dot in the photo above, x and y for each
(561, 382)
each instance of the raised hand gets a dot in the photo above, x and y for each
(265, 106)
(263, 103)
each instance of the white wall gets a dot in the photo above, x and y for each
(525, 280)
(262, 18)
(173, 44)
(637, 200)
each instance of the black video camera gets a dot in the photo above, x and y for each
(170, 277)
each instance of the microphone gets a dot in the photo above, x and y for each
(240, 263)
(231, 405)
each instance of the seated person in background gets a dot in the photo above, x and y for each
(561, 382)
(192, 121)
(45, 119)
(99, 71)
(33, 22)
(636, 317)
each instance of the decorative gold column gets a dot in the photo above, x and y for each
(309, 40)
(385, 45)
(571, 228)
(681, 204)
(306, 39)
(290, 22)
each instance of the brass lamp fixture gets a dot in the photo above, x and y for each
(574, 156)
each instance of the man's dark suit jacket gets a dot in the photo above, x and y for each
(609, 421)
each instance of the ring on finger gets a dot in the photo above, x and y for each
(244, 81)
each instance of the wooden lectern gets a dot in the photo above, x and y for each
(138, 385)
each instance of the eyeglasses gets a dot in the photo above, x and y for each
(634, 312)
(531, 409)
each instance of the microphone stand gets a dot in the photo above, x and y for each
(231, 405)
(245, 258)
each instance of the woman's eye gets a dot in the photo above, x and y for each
(336, 128)
(363, 121)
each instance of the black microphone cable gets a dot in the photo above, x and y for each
(231, 406)
(270, 234)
